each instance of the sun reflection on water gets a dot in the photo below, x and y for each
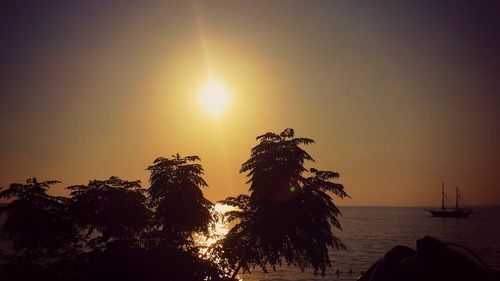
(219, 230)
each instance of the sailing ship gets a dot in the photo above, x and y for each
(457, 212)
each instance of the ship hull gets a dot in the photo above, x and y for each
(451, 213)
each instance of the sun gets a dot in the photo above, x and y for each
(214, 97)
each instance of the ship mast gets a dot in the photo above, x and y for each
(442, 195)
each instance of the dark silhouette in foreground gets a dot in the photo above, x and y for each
(177, 200)
(115, 229)
(289, 216)
(109, 229)
(432, 261)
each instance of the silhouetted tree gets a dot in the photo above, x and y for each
(38, 224)
(112, 219)
(288, 216)
(177, 200)
(109, 210)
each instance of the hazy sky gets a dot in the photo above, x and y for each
(398, 95)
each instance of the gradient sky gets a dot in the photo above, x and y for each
(398, 96)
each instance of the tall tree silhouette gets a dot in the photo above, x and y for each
(114, 208)
(177, 200)
(38, 224)
(289, 216)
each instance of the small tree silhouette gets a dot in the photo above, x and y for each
(109, 210)
(288, 216)
(38, 224)
(177, 200)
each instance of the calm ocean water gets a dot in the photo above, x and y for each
(369, 232)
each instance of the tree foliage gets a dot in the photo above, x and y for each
(108, 229)
(177, 200)
(36, 223)
(289, 216)
(115, 229)
(112, 209)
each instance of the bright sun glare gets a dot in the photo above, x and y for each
(221, 228)
(214, 97)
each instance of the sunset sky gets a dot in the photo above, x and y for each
(397, 96)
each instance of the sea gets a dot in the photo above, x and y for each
(369, 232)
